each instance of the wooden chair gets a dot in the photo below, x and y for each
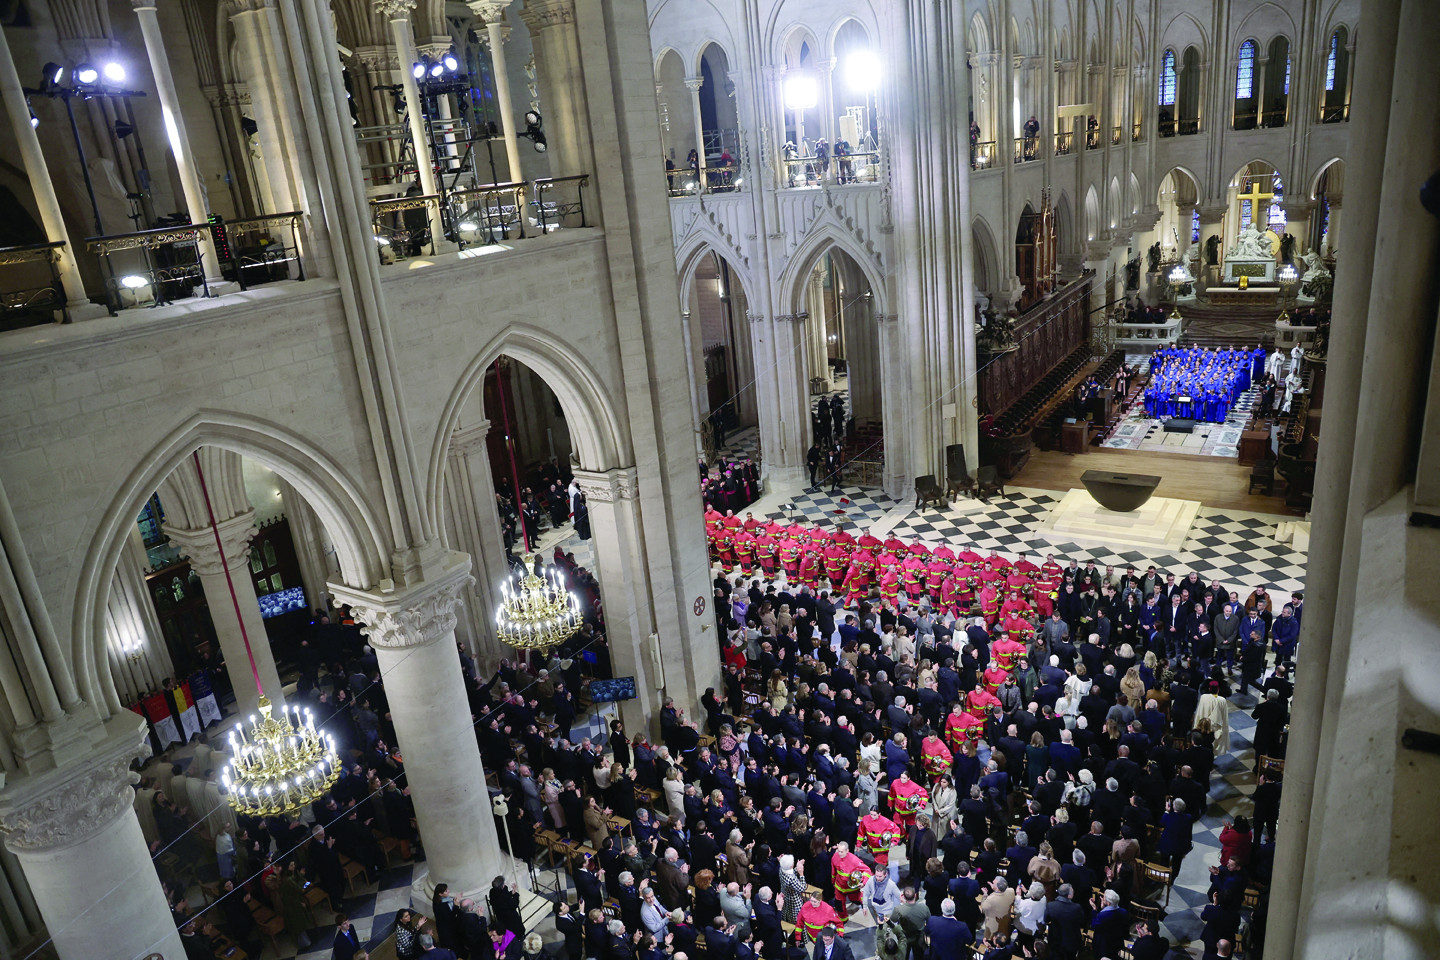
(927, 490)
(1253, 893)
(988, 483)
(1272, 766)
(395, 850)
(957, 477)
(268, 923)
(1161, 873)
(1147, 910)
(317, 905)
(352, 870)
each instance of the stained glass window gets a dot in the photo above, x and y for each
(1245, 75)
(1167, 79)
(1331, 60)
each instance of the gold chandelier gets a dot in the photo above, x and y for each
(284, 764)
(281, 766)
(536, 612)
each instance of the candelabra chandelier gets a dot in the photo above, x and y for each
(281, 766)
(536, 611)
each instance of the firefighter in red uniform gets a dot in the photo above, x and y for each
(811, 564)
(848, 874)
(912, 575)
(790, 557)
(726, 544)
(745, 550)
(713, 525)
(935, 757)
(837, 559)
(814, 915)
(766, 549)
(907, 799)
(877, 834)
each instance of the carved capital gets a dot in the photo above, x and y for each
(693, 84)
(539, 14)
(377, 58)
(142, 4)
(884, 318)
(608, 486)
(1212, 213)
(471, 439)
(418, 616)
(488, 10)
(199, 545)
(1298, 209)
(250, 6)
(754, 317)
(792, 317)
(395, 9)
(66, 806)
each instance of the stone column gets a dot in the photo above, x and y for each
(174, 117)
(1332, 224)
(792, 383)
(259, 60)
(826, 69)
(412, 631)
(210, 563)
(496, 30)
(403, 36)
(312, 546)
(693, 84)
(562, 85)
(138, 656)
(77, 838)
(1212, 224)
(475, 524)
(12, 93)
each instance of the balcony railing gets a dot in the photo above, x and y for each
(1064, 143)
(811, 171)
(1117, 136)
(1027, 148)
(1137, 133)
(559, 202)
(1169, 127)
(489, 213)
(720, 178)
(402, 226)
(151, 267)
(259, 249)
(982, 155)
(30, 291)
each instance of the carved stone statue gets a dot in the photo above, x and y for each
(1314, 266)
(1287, 248)
(1212, 250)
(997, 335)
(1316, 282)
(1249, 245)
(1154, 256)
(1132, 274)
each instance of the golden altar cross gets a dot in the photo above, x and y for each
(1255, 196)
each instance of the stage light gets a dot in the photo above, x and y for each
(450, 62)
(85, 73)
(801, 91)
(418, 71)
(467, 226)
(382, 241)
(532, 119)
(34, 120)
(533, 131)
(862, 71)
(50, 75)
(114, 72)
(436, 69)
(133, 282)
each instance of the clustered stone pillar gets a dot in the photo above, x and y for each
(496, 30)
(77, 838)
(470, 492)
(413, 634)
(693, 84)
(257, 28)
(138, 657)
(210, 564)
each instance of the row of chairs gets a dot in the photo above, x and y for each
(1023, 413)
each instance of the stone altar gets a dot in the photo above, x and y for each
(1159, 524)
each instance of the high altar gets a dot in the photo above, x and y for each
(1251, 257)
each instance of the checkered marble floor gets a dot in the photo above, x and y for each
(1239, 549)
(1140, 432)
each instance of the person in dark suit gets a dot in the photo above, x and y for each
(1111, 925)
(473, 931)
(947, 936)
(765, 927)
(442, 907)
(829, 946)
(347, 942)
(1065, 918)
(568, 926)
(428, 950)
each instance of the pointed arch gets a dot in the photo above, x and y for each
(695, 249)
(1093, 224)
(588, 403)
(979, 34)
(1064, 224)
(802, 262)
(1132, 195)
(356, 525)
(1113, 203)
(987, 257)
(1313, 191)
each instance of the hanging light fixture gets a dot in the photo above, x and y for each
(536, 611)
(283, 763)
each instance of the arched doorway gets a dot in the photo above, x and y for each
(1255, 195)
(987, 268)
(1328, 191)
(719, 122)
(843, 368)
(1177, 197)
(723, 375)
(854, 93)
(677, 119)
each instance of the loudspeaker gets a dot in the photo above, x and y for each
(1179, 425)
(955, 460)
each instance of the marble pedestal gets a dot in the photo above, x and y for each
(1259, 270)
(1160, 524)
